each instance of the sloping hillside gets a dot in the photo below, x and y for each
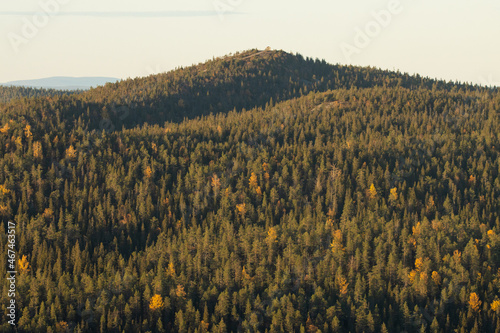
(244, 80)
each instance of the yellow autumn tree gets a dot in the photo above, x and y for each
(253, 181)
(423, 277)
(258, 190)
(4, 190)
(215, 183)
(5, 129)
(148, 172)
(457, 256)
(394, 194)
(170, 269)
(416, 230)
(27, 131)
(419, 264)
(156, 302)
(4, 210)
(412, 275)
(475, 302)
(271, 235)
(495, 305)
(24, 265)
(436, 278)
(48, 213)
(241, 209)
(343, 286)
(62, 327)
(244, 274)
(204, 326)
(71, 152)
(372, 192)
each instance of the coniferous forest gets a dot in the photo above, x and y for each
(257, 192)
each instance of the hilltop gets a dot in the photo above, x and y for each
(240, 81)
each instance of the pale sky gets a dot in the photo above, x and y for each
(454, 40)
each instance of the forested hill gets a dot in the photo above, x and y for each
(352, 210)
(244, 80)
(14, 93)
(343, 199)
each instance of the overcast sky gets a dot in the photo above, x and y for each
(454, 40)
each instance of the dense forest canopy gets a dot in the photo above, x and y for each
(330, 199)
(13, 93)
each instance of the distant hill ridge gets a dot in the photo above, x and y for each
(63, 82)
(238, 81)
(8, 93)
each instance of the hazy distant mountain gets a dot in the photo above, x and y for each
(63, 82)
